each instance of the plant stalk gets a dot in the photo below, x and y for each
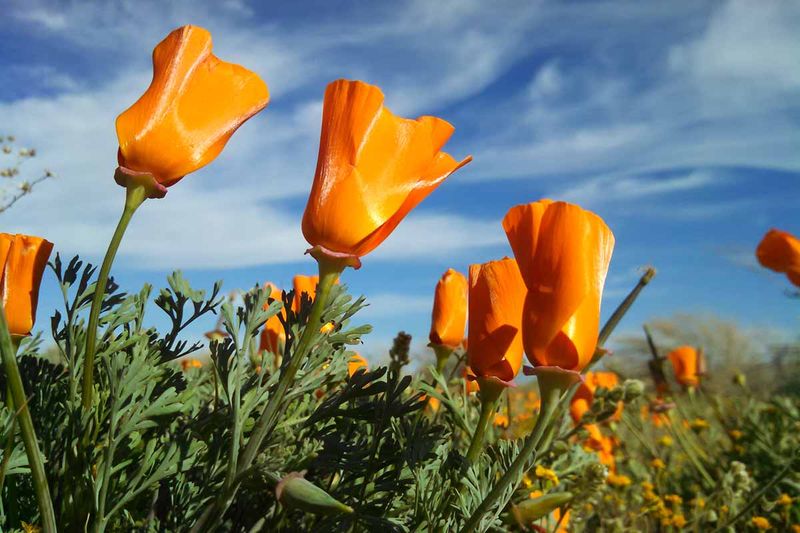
(134, 196)
(8, 348)
(328, 274)
(490, 394)
(550, 399)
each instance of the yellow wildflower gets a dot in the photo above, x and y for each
(698, 424)
(327, 327)
(724, 509)
(678, 521)
(785, 500)
(546, 473)
(760, 523)
(30, 528)
(698, 502)
(658, 464)
(674, 499)
(735, 434)
(501, 420)
(618, 480)
(646, 485)
(795, 528)
(526, 480)
(666, 440)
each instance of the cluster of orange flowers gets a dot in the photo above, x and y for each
(373, 168)
(544, 302)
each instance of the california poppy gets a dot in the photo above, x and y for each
(23, 259)
(304, 284)
(496, 296)
(563, 253)
(356, 362)
(373, 169)
(449, 315)
(273, 336)
(584, 395)
(780, 251)
(684, 363)
(193, 105)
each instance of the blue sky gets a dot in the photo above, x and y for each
(677, 122)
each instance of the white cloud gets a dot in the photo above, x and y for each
(623, 189)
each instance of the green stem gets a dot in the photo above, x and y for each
(550, 399)
(8, 348)
(442, 355)
(135, 195)
(9, 448)
(490, 393)
(328, 274)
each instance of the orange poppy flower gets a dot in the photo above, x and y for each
(563, 253)
(780, 251)
(373, 169)
(192, 107)
(356, 362)
(684, 363)
(496, 296)
(304, 284)
(582, 400)
(449, 316)
(23, 259)
(469, 380)
(273, 336)
(603, 445)
(189, 363)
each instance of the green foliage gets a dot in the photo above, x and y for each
(159, 449)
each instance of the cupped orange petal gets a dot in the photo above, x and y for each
(449, 317)
(373, 169)
(565, 251)
(24, 259)
(496, 296)
(273, 335)
(684, 364)
(193, 105)
(356, 362)
(779, 251)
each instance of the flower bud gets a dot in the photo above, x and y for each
(296, 492)
(616, 394)
(559, 448)
(533, 509)
(633, 388)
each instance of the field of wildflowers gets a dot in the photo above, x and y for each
(113, 426)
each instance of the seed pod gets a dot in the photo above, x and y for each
(296, 492)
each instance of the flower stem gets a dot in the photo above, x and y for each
(490, 393)
(328, 274)
(442, 355)
(8, 348)
(550, 400)
(135, 195)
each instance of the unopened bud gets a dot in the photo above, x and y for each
(533, 509)
(296, 492)
(633, 388)
(559, 448)
(616, 394)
